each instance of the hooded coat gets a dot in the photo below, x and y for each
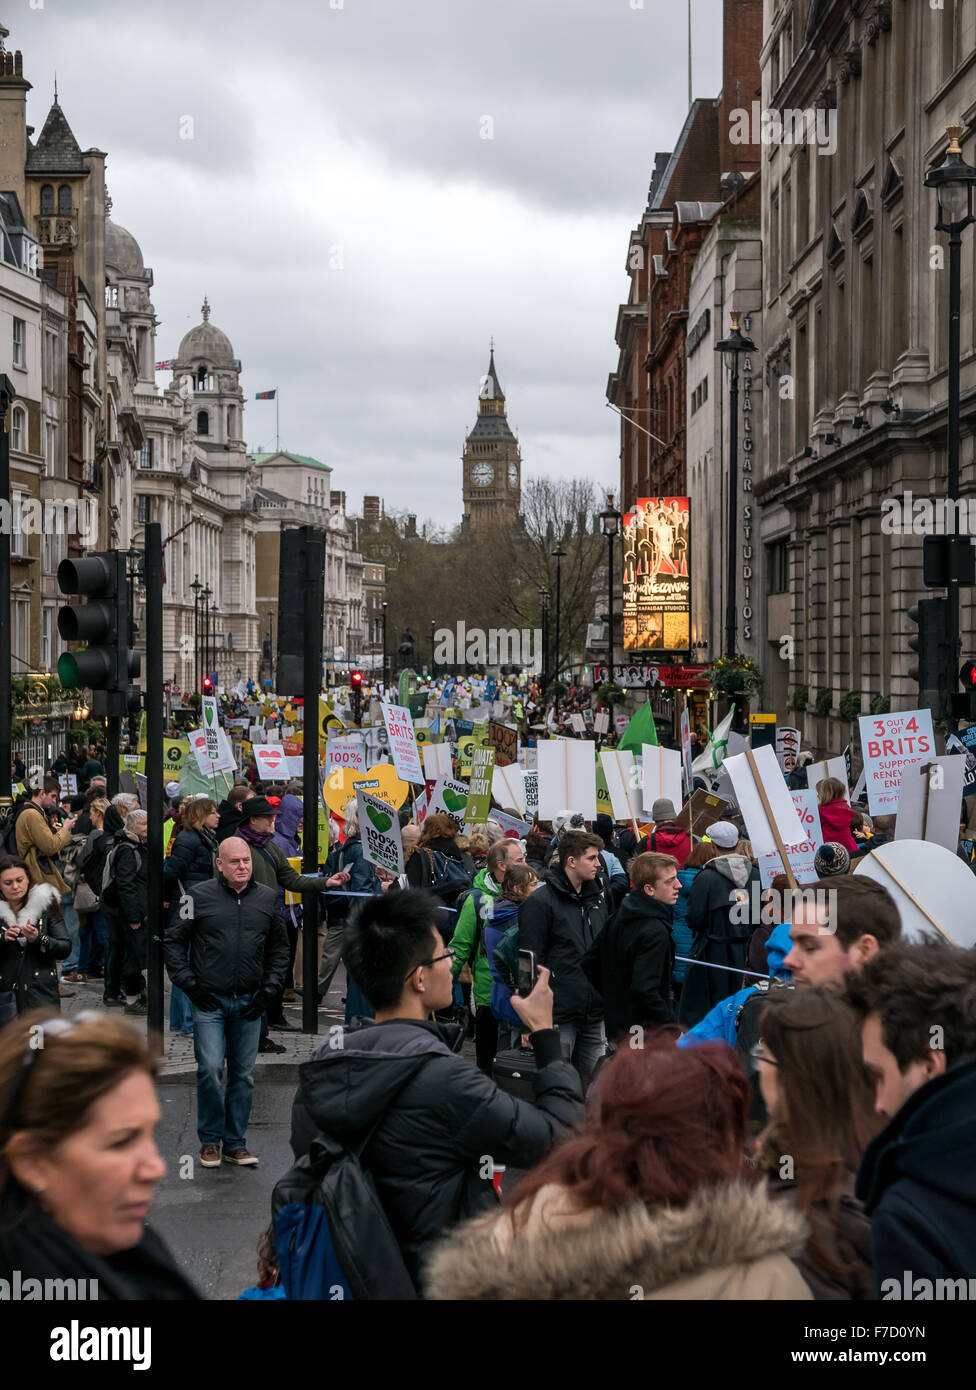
(438, 1116)
(731, 1241)
(918, 1184)
(719, 887)
(31, 970)
(630, 964)
(504, 914)
(560, 925)
(470, 927)
(835, 822)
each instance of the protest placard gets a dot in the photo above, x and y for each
(508, 786)
(684, 726)
(567, 777)
(788, 740)
(211, 726)
(403, 744)
(660, 775)
(530, 782)
(765, 803)
(345, 750)
(705, 809)
(478, 808)
(601, 722)
(803, 853)
(379, 829)
(437, 760)
(504, 741)
(830, 767)
(521, 827)
(622, 780)
(889, 744)
(932, 887)
(448, 797)
(930, 801)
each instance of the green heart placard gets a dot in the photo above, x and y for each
(381, 821)
(453, 802)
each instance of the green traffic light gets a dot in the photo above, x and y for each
(68, 670)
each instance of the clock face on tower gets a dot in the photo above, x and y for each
(513, 475)
(482, 474)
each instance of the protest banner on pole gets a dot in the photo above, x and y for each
(889, 744)
(767, 808)
(660, 775)
(437, 760)
(567, 777)
(601, 722)
(271, 762)
(930, 801)
(803, 854)
(505, 742)
(379, 829)
(788, 740)
(211, 727)
(403, 744)
(621, 776)
(345, 750)
(830, 767)
(478, 808)
(521, 827)
(508, 786)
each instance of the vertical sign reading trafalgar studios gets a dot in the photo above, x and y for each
(403, 744)
(656, 576)
(889, 744)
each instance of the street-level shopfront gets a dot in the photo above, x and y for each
(671, 689)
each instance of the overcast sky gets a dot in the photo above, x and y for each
(358, 238)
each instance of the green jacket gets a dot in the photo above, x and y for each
(463, 939)
(280, 873)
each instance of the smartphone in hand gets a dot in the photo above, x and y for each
(527, 973)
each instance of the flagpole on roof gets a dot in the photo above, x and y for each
(277, 431)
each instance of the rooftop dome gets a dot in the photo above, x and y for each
(122, 252)
(206, 341)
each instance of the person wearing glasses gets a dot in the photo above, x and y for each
(428, 1116)
(33, 938)
(820, 1099)
(79, 1162)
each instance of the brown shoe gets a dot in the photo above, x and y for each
(74, 977)
(241, 1157)
(210, 1156)
(66, 993)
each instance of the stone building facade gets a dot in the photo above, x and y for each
(855, 337)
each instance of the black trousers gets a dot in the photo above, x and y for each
(126, 956)
(485, 1037)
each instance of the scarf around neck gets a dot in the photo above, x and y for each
(257, 838)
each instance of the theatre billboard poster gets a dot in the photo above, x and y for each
(656, 576)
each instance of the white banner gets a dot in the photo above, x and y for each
(403, 743)
(769, 774)
(622, 778)
(660, 775)
(567, 777)
(508, 787)
(379, 829)
(345, 750)
(889, 744)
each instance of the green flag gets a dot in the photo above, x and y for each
(640, 730)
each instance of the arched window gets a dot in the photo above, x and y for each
(18, 428)
(203, 381)
(203, 422)
(230, 422)
(47, 199)
(64, 200)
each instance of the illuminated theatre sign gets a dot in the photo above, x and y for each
(656, 577)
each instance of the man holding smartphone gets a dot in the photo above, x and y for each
(434, 1126)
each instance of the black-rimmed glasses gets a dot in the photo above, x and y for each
(449, 954)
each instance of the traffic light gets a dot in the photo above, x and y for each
(356, 694)
(931, 671)
(964, 705)
(207, 686)
(108, 665)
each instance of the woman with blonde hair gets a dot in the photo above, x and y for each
(78, 1158)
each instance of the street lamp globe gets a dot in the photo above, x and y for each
(610, 518)
(953, 183)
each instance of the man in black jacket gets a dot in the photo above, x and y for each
(632, 959)
(125, 904)
(916, 1179)
(434, 1125)
(238, 958)
(559, 923)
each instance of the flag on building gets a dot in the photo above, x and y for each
(266, 395)
(166, 366)
(640, 730)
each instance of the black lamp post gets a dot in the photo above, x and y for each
(610, 525)
(196, 586)
(385, 608)
(732, 346)
(213, 639)
(544, 597)
(205, 598)
(558, 555)
(953, 183)
(433, 625)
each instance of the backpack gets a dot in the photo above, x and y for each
(109, 893)
(332, 1237)
(8, 828)
(447, 877)
(505, 957)
(70, 865)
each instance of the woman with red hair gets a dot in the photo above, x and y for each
(653, 1199)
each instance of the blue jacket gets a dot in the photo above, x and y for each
(503, 915)
(681, 933)
(363, 876)
(719, 1023)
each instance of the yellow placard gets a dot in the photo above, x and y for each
(340, 786)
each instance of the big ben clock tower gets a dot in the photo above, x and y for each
(492, 479)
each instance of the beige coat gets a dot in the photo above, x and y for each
(729, 1242)
(35, 837)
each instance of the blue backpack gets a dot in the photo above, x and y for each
(447, 877)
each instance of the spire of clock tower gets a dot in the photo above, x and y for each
(492, 464)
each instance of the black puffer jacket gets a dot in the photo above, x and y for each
(92, 858)
(560, 925)
(31, 970)
(720, 915)
(438, 1118)
(191, 859)
(631, 963)
(130, 899)
(237, 941)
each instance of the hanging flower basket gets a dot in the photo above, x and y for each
(611, 694)
(736, 675)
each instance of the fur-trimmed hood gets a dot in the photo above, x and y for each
(41, 898)
(729, 1242)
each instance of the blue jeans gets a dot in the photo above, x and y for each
(73, 924)
(94, 943)
(583, 1045)
(218, 1034)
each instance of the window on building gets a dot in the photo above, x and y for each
(47, 199)
(111, 296)
(231, 422)
(18, 541)
(64, 200)
(202, 379)
(50, 446)
(146, 454)
(18, 428)
(203, 422)
(18, 357)
(778, 567)
(47, 638)
(143, 508)
(20, 634)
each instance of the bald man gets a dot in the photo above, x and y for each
(238, 955)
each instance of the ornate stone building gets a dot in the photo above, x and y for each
(855, 336)
(491, 463)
